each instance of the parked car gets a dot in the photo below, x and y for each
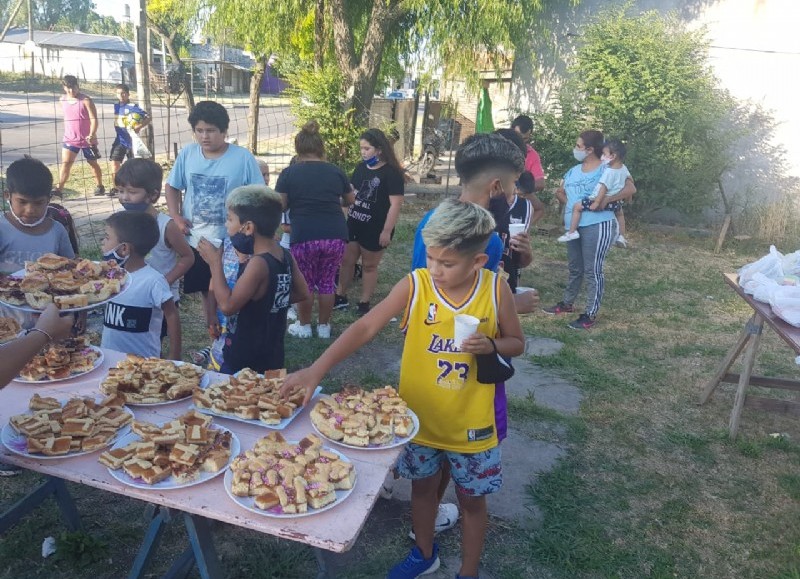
(395, 95)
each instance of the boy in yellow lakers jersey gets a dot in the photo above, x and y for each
(438, 380)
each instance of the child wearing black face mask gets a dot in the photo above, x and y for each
(138, 185)
(266, 285)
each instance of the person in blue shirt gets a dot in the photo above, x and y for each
(127, 117)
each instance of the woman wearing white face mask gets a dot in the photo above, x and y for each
(598, 230)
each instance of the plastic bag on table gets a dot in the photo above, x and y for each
(761, 287)
(140, 150)
(791, 263)
(770, 266)
(785, 304)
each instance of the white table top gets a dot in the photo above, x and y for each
(334, 530)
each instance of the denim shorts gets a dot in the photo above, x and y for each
(474, 474)
(90, 153)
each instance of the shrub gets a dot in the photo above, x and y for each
(320, 95)
(646, 80)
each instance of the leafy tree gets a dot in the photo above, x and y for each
(174, 21)
(63, 15)
(646, 79)
(267, 30)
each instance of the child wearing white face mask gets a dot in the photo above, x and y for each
(602, 197)
(26, 231)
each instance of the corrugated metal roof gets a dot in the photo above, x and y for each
(76, 40)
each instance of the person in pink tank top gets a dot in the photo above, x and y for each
(80, 133)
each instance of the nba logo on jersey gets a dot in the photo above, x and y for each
(431, 318)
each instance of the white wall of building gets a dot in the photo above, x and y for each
(86, 65)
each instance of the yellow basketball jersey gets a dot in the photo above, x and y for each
(438, 381)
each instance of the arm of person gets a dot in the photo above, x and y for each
(177, 242)
(91, 110)
(210, 310)
(231, 301)
(16, 353)
(538, 209)
(509, 342)
(561, 194)
(521, 243)
(627, 192)
(355, 336)
(284, 199)
(173, 197)
(300, 291)
(348, 199)
(173, 329)
(146, 120)
(395, 203)
(599, 194)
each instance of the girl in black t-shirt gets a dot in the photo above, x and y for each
(379, 186)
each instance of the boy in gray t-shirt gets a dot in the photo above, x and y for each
(26, 231)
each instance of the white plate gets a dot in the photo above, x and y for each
(125, 283)
(275, 512)
(398, 440)
(18, 443)
(97, 364)
(168, 484)
(204, 382)
(280, 426)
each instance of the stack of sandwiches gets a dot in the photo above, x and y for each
(69, 283)
(80, 425)
(290, 477)
(249, 396)
(61, 360)
(182, 449)
(151, 380)
(361, 418)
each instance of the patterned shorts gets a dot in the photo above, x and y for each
(610, 206)
(473, 474)
(319, 262)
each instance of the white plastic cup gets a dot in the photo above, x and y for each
(466, 325)
(215, 241)
(516, 228)
(522, 289)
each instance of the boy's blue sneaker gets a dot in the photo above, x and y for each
(415, 565)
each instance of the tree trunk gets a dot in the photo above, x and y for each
(255, 99)
(169, 42)
(362, 74)
(319, 34)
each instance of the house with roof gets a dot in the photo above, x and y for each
(221, 68)
(89, 57)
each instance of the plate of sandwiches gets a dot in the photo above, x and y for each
(153, 381)
(283, 479)
(55, 429)
(250, 397)
(72, 284)
(183, 452)
(365, 420)
(9, 329)
(62, 360)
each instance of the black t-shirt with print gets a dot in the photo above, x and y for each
(373, 188)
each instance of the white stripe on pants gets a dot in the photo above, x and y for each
(586, 257)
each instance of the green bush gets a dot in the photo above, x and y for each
(320, 95)
(646, 80)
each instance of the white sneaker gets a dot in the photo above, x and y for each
(446, 518)
(291, 315)
(299, 330)
(324, 331)
(621, 241)
(569, 237)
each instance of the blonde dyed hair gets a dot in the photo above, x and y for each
(459, 225)
(259, 204)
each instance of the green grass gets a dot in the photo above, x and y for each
(651, 486)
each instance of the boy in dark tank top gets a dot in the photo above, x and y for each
(268, 283)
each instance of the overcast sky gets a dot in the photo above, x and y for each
(113, 8)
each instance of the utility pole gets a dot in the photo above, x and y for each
(142, 61)
(31, 44)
